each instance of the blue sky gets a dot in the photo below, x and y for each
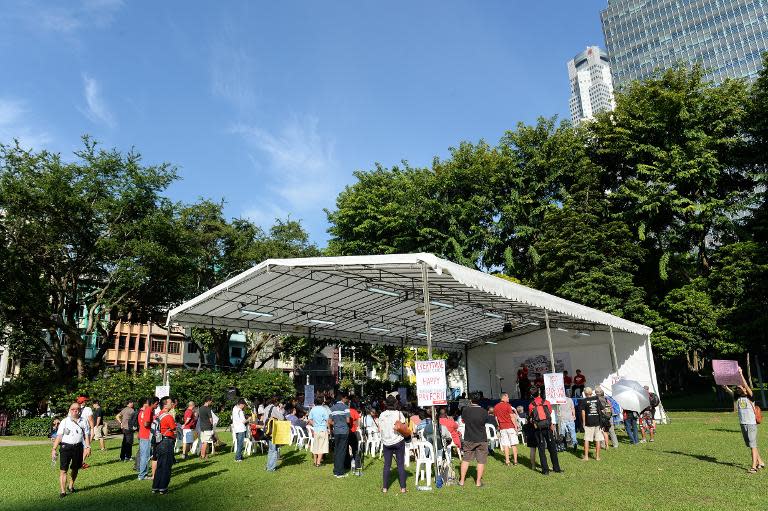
(271, 106)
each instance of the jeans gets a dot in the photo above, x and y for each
(398, 450)
(569, 428)
(127, 446)
(631, 426)
(546, 440)
(239, 441)
(354, 444)
(144, 448)
(272, 455)
(340, 453)
(612, 436)
(165, 461)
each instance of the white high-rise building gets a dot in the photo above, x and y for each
(591, 84)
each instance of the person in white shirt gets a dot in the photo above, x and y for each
(86, 413)
(394, 441)
(73, 438)
(239, 427)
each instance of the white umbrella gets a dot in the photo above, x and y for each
(630, 395)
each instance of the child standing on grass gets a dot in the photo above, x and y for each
(748, 422)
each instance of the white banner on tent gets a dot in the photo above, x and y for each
(539, 363)
(554, 388)
(431, 382)
(162, 390)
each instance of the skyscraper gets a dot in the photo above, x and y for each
(591, 84)
(726, 36)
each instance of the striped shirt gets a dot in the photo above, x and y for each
(340, 416)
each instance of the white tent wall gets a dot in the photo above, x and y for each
(591, 354)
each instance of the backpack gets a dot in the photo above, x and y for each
(540, 416)
(156, 434)
(654, 399)
(133, 421)
(758, 414)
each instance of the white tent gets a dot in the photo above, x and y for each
(381, 299)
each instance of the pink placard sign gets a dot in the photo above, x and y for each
(726, 372)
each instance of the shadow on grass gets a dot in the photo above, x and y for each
(293, 458)
(200, 478)
(725, 430)
(703, 457)
(132, 476)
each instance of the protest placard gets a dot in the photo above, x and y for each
(726, 372)
(554, 388)
(431, 382)
(162, 391)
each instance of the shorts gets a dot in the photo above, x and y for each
(749, 432)
(475, 451)
(100, 432)
(70, 456)
(206, 436)
(508, 437)
(320, 445)
(647, 425)
(188, 435)
(593, 434)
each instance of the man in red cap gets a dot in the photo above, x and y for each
(86, 413)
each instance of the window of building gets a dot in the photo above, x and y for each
(142, 344)
(132, 344)
(237, 352)
(121, 342)
(191, 348)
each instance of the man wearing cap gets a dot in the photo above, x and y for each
(73, 441)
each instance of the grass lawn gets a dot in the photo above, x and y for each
(699, 462)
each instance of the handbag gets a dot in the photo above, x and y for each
(402, 428)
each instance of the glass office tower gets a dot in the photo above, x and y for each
(727, 37)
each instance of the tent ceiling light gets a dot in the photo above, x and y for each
(459, 339)
(421, 334)
(257, 313)
(384, 292)
(532, 323)
(491, 342)
(585, 334)
(494, 315)
(561, 329)
(322, 322)
(379, 329)
(441, 304)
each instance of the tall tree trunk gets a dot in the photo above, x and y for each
(749, 371)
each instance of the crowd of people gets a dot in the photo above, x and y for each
(340, 423)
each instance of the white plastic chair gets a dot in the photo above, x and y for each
(292, 439)
(310, 438)
(521, 422)
(373, 444)
(247, 447)
(301, 438)
(424, 462)
(491, 434)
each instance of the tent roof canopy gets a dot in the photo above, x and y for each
(379, 299)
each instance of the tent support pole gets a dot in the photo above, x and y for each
(613, 352)
(549, 340)
(466, 370)
(428, 321)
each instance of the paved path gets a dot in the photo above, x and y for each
(15, 443)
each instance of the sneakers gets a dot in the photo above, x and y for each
(341, 475)
(642, 441)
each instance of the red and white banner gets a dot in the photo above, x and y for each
(554, 388)
(431, 382)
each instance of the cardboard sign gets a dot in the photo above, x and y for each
(162, 390)
(309, 396)
(554, 388)
(726, 372)
(431, 382)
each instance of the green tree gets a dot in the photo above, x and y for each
(81, 243)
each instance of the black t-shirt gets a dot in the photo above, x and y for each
(205, 418)
(98, 413)
(591, 407)
(474, 418)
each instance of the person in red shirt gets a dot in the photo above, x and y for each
(523, 382)
(452, 426)
(539, 382)
(164, 448)
(355, 439)
(567, 382)
(146, 416)
(578, 384)
(540, 416)
(506, 416)
(188, 429)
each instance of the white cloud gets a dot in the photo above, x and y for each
(233, 75)
(97, 110)
(73, 16)
(15, 124)
(301, 168)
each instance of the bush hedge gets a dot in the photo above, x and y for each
(34, 390)
(31, 426)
